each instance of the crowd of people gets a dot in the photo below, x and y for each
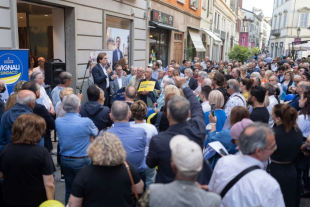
(152, 147)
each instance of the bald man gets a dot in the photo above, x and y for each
(25, 102)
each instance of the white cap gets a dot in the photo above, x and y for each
(150, 65)
(186, 154)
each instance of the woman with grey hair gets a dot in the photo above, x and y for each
(106, 182)
(161, 99)
(44, 98)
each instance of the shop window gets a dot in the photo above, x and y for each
(118, 38)
(159, 42)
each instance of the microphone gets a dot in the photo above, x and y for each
(88, 64)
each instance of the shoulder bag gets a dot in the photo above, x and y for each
(134, 195)
(236, 179)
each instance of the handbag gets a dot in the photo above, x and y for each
(134, 195)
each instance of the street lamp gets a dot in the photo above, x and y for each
(298, 32)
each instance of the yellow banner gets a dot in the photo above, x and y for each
(147, 86)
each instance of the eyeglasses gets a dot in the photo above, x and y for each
(274, 147)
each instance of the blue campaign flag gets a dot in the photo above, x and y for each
(13, 67)
(120, 95)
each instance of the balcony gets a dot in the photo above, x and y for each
(217, 31)
(275, 32)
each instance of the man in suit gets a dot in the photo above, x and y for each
(117, 53)
(101, 74)
(178, 111)
(119, 82)
(191, 82)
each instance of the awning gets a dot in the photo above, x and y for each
(217, 40)
(305, 46)
(165, 26)
(196, 39)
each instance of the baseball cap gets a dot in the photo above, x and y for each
(186, 155)
(150, 65)
(238, 127)
(298, 59)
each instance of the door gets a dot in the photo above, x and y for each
(177, 52)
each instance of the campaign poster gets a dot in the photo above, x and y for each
(13, 68)
(93, 58)
(118, 42)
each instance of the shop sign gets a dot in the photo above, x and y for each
(157, 16)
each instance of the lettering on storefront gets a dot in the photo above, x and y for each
(161, 17)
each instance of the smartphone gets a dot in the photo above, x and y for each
(223, 152)
(212, 109)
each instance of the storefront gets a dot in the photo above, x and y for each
(70, 30)
(161, 27)
(169, 37)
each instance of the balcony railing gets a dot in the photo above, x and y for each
(275, 32)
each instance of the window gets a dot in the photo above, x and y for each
(279, 25)
(277, 3)
(194, 4)
(181, 1)
(204, 4)
(275, 23)
(304, 19)
(284, 21)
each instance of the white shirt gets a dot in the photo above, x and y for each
(150, 132)
(119, 80)
(236, 99)
(272, 102)
(105, 72)
(45, 98)
(274, 67)
(303, 124)
(257, 188)
(206, 106)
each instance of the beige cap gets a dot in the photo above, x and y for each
(186, 154)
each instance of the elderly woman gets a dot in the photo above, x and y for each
(26, 167)
(133, 72)
(44, 98)
(138, 113)
(243, 72)
(161, 99)
(106, 182)
(60, 112)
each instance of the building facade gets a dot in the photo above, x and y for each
(265, 34)
(69, 30)
(224, 26)
(289, 17)
(252, 24)
(179, 38)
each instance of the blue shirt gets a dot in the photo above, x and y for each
(55, 95)
(221, 118)
(155, 74)
(74, 133)
(134, 143)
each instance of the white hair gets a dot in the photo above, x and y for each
(189, 70)
(256, 75)
(71, 103)
(26, 100)
(208, 81)
(159, 61)
(203, 74)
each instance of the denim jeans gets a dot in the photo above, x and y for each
(70, 168)
(150, 176)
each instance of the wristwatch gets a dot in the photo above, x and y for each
(184, 85)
